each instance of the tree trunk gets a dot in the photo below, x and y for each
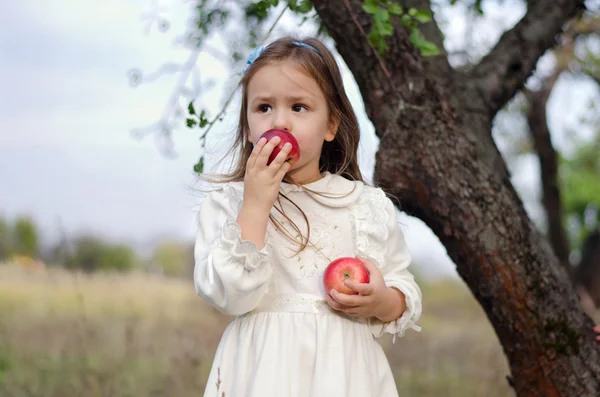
(540, 135)
(437, 155)
(587, 273)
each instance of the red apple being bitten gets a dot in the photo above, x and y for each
(286, 137)
(345, 268)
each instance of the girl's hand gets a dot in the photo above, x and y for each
(262, 181)
(374, 298)
(597, 330)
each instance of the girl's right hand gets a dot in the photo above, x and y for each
(262, 181)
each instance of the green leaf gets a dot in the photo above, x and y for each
(408, 21)
(191, 109)
(426, 48)
(429, 49)
(199, 166)
(382, 22)
(382, 15)
(477, 6)
(190, 122)
(395, 9)
(203, 123)
(378, 41)
(305, 7)
(420, 15)
(371, 8)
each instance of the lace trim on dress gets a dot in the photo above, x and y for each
(369, 230)
(244, 251)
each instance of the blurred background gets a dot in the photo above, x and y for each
(98, 194)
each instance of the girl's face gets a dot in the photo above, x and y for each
(284, 96)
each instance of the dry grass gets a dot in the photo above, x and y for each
(65, 334)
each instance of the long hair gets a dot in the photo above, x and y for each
(339, 157)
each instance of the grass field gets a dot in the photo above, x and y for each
(64, 334)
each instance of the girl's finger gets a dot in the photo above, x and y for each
(345, 299)
(353, 312)
(255, 151)
(266, 151)
(281, 157)
(285, 167)
(333, 304)
(364, 289)
(368, 264)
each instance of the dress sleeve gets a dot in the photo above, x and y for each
(394, 268)
(230, 273)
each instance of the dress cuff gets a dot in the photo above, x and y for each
(243, 251)
(399, 326)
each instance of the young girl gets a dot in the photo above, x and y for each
(267, 234)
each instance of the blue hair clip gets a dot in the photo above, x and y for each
(301, 44)
(252, 57)
(259, 50)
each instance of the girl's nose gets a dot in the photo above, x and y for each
(281, 121)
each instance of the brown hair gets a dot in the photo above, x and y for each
(339, 156)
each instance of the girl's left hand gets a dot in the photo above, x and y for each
(374, 298)
(597, 330)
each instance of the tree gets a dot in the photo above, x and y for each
(92, 254)
(25, 237)
(438, 155)
(571, 183)
(174, 258)
(5, 239)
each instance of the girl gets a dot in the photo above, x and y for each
(267, 234)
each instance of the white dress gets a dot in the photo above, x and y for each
(285, 340)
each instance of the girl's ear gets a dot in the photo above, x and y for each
(332, 129)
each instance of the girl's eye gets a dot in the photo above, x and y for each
(264, 108)
(299, 108)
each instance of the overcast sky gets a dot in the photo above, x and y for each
(66, 115)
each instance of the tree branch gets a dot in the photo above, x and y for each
(437, 66)
(508, 65)
(540, 135)
(551, 199)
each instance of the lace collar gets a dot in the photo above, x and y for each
(332, 190)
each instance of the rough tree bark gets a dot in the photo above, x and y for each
(437, 155)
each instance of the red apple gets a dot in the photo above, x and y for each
(285, 136)
(342, 269)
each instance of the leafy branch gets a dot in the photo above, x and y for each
(211, 17)
(260, 11)
(383, 11)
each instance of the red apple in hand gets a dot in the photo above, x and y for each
(342, 269)
(285, 136)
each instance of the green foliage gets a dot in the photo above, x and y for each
(5, 362)
(580, 189)
(476, 5)
(208, 19)
(92, 254)
(260, 9)
(174, 259)
(213, 16)
(383, 11)
(194, 119)
(300, 6)
(5, 239)
(25, 237)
